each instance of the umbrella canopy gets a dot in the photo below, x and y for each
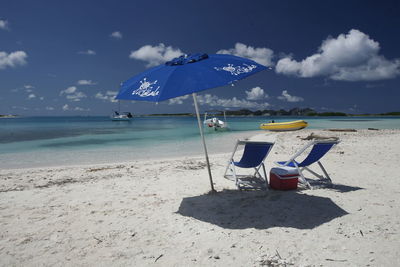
(188, 74)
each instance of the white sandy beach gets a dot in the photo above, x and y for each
(159, 213)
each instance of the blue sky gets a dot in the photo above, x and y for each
(69, 57)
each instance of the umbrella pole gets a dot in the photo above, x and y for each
(204, 141)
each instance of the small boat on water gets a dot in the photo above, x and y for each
(215, 124)
(124, 116)
(121, 116)
(284, 126)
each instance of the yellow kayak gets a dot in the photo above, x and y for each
(284, 126)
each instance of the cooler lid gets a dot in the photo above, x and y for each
(285, 171)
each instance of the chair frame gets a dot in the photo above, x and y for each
(300, 169)
(236, 177)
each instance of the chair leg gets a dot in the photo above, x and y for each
(257, 172)
(228, 167)
(229, 172)
(303, 179)
(265, 177)
(323, 169)
(235, 176)
(321, 177)
(314, 173)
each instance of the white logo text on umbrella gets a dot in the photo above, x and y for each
(146, 88)
(236, 70)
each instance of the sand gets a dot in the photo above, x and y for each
(159, 213)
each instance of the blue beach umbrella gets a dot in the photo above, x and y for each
(185, 75)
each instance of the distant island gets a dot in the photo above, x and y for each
(280, 112)
(8, 116)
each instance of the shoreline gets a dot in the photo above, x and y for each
(54, 158)
(115, 155)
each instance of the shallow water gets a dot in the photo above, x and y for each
(49, 141)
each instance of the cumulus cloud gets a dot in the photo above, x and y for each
(13, 59)
(290, 98)
(214, 101)
(88, 52)
(107, 96)
(81, 109)
(77, 96)
(256, 93)
(86, 82)
(116, 35)
(349, 57)
(4, 24)
(72, 94)
(177, 100)
(31, 96)
(65, 107)
(19, 107)
(261, 55)
(155, 55)
(69, 90)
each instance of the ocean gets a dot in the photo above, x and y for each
(53, 141)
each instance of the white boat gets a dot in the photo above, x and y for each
(121, 116)
(215, 124)
(125, 116)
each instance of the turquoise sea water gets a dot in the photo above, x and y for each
(47, 141)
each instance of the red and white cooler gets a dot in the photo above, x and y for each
(283, 178)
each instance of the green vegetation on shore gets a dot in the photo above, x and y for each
(390, 114)
(8, 116)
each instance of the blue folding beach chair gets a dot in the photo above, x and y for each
(253, 157)
(320, 148)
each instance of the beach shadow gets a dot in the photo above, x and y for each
(340, 188)
(234, 209)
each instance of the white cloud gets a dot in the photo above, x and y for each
(66, 107)
(28, 86)
(107, 96)
(177, 100)
(116, 35)
(19, 107)
(349, 57)
(77, 96)
(86, 82)
(261, 55)
(31, 96)
(289, 98)
(72, 94)
(213, 101)
(14, 59)
(41, 98)
(81, 109)
(69, 90)
(4, 24)
(155, 55)
(256, 93)
(88, 52)
(49, 108)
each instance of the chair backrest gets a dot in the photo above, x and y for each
(254, 154)
(317, 152)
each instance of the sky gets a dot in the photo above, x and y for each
(68, 58)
